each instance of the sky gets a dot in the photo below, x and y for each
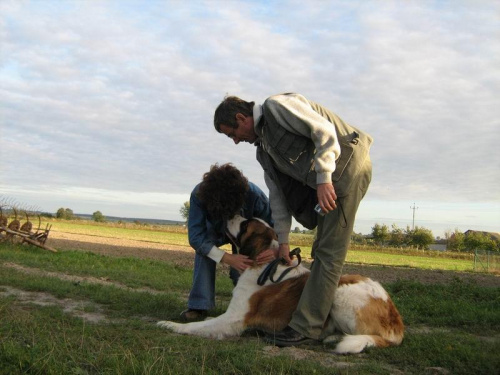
(108, 105)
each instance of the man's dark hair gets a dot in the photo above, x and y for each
(225, 114)
(223, 191)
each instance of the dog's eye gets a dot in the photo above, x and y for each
(244, 226)
(243, 229)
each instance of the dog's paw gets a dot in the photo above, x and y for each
(167, 324)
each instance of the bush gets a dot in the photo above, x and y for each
(65, 213)
(98, 217)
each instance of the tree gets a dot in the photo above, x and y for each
(65, 213)
(479, 241)
(397, 236)
(184, 211)
(422, 238)
(456, 241)
(380, 233)
(68, 213)
(358, 238)
(98, 217)
(60, 214)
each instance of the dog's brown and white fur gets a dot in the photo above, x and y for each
(362, 309)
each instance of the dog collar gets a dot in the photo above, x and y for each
(270, 270)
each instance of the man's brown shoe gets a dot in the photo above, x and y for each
(288, 337)
(192, 315)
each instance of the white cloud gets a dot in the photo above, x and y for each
(120, 95)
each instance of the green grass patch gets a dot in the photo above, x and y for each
(452, 352)
(175, 235)
(455, 327)
(400, 259)
(403, 260)
(118, 302)
(462, 305)
(129, 271)
(44, 340)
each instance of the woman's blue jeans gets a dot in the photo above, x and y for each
(202, 295)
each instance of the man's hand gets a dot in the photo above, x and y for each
(237, 261)
(284, 252)
(267, 256)
(326, 197)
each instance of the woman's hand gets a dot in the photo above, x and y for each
(266, 256)
(237, 261)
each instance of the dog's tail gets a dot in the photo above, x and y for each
(353, 344)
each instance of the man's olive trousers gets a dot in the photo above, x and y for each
(329, 252)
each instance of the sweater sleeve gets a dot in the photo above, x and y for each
(261, 207)
(201, 239)
(297, 116)
(281, 216)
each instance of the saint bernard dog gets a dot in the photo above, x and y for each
(362, 311)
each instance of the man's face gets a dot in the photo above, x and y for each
(243, 133)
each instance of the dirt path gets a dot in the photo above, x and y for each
(183, 256)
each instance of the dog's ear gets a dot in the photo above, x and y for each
(257, 242)
(272, 234)
(249, 247)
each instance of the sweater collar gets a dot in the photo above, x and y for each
(257, 115)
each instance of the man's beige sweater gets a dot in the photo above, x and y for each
(298, 117)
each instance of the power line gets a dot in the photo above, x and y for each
(413, 208)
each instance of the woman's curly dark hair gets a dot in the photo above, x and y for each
(223, 191)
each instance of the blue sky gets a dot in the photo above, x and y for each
(108, 105)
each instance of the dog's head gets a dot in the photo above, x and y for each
(252, 236)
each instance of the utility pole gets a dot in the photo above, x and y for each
(413, 208)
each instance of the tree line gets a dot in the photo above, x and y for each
(418, 237)
(381, 235)
(458, 241)
(67, 214)
(421, 238)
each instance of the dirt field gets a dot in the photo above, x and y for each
(184, 256)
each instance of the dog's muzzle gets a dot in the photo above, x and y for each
(236, 241)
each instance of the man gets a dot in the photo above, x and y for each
(309, 156)
(223, 192)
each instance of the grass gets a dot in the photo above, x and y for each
(171, 235)
(168, 235)
(126, 270)
(403, 260)
(43, 340)
(461, 305)
(453, 327)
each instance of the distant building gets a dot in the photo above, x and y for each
(493, 235)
